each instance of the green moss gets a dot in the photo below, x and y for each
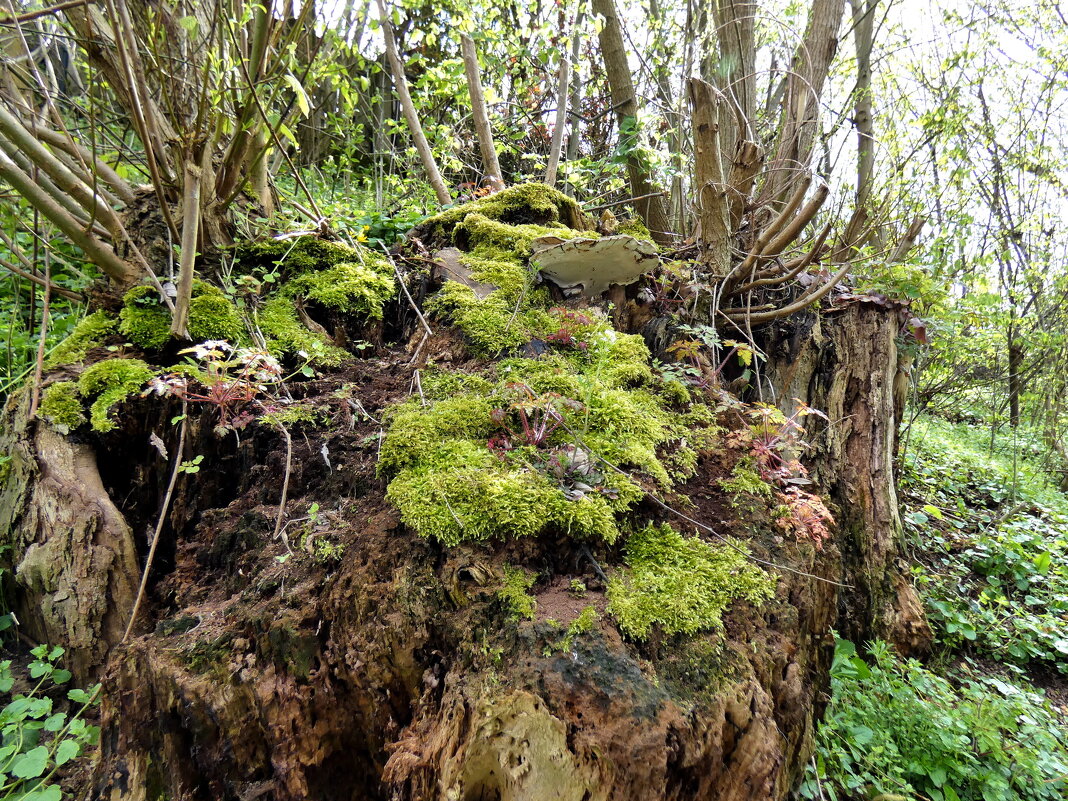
(681, 584)
(583, 624)
(146, 321)
(360, 288)
(89, 333)
(450, 485)
(515, 592)
(526, 203)
(293, 256)
(285, 334)
(61, 406)
(110, 382)
(636, 228)
(746, 481)
(496, 234)
(307, 414)
(333, 275)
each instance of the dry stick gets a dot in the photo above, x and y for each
(778, 277)
(563, 79)
(159, 525)
(482, 123)
(791, 231)
(404, 288)
(44, 12)
(285, 484)
(38, 369)
(726, 541)
(410, 114)
(810, 297)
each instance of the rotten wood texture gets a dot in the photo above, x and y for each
(845, 365)
(72, 555)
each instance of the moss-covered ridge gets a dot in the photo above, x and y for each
(340, 278)
(495, 233)
(536, 443)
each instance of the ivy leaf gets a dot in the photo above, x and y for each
(31, 764)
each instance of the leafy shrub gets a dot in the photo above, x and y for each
(995, 572)
(37, 738)
(896, 728)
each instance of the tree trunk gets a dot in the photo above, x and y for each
(624, 100)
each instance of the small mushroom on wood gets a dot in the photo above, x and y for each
(591, 266)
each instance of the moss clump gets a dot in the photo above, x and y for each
(333, 275)
(636, 228)
(350, 287)
(146, 321)
(515, 593)
(471, 464)
(307, 414)
(89, 333)
(681, 584)
(293, 256)
(110, 382)
(61, 406)
(496, 233)
(287, 335)
(526, 203)
(745, 481)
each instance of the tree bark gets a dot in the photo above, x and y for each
(800, 114)
(411, 114)
(483, 128)
(625, 102)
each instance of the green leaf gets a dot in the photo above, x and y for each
(933, 511)
(68, 749)
(78, 696)
(189, 24)
(298, 90)
(31, 764)
(61, 676)
(52, 792)
(1042, 562)
(55, 722)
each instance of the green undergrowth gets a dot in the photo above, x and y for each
(495, 234)
(308, 269)
(990, 538)
(681, 585)
(896, 729)
(89, 333)
(523, 447)
(146, 321)
(108, 383)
